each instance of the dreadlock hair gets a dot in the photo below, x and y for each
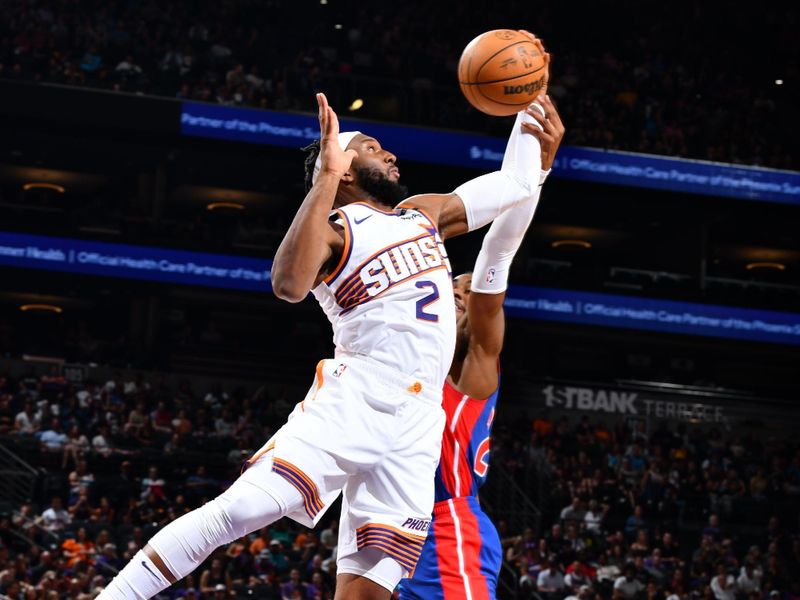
(312, 152)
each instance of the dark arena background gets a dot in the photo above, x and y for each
(150, 165)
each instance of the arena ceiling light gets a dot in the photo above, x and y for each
(44, 185)
(337, 26)
(41, 308)
(571, 244)
(776, 266)
(223, 205)
(779, 82)
(356, 104)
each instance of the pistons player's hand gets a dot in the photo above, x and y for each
(552, 131)
(334, 160)
(540, 46)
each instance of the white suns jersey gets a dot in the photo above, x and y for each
(391, 295)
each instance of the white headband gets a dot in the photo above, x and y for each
(345, 138)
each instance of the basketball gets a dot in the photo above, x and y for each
(501, 71)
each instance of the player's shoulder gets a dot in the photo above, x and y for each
(363, 208)
(429, 203)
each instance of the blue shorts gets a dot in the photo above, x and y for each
(461, 557)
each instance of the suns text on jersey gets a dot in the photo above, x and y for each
(403, 261)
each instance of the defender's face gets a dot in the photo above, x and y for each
(461, 290)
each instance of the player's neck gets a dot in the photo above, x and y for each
(350, 194)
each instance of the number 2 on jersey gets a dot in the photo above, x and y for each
(423, 303)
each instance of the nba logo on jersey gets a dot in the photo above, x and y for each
(490, 275)
(338, 371)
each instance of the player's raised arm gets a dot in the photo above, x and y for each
(311, 241)
(484, 306)
(481, 200)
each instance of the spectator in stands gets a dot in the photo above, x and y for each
(76, 447)
(593, 518)
(573, 514)
(294, 588)
(53, 440)
(723, 585)
(55, 519)
(78, 549)
(104, 513)
(550, 581)
(101, 443)
(712, 529)
(584, 593)
(153, 484)
(214, 576)
(578, 576)
(224, 425)
(79, 506)
(628, 586)
(27, 422)
(635, 522)
(161, 419)
(181, 424)
(749, 579)
(81, 477)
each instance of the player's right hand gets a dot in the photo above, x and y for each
(551, 132)
(334, 160)
(540, 46)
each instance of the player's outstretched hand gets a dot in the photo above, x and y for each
(540, 46)
(552, 131)
(334, 160)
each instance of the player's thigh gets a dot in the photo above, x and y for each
(368, 574)
(389, 506)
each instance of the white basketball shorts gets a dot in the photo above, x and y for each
(373, 433)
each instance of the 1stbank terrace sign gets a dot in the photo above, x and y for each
(626, 402)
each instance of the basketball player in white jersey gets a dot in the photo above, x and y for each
(370, 426)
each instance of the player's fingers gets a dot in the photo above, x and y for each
(528, 34)
(552, 113)
(352, 153)
(540, 119)
(321, 107)
(542, 136)
(333, 123)
(536, 107)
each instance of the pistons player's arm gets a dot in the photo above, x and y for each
(312, 245)
(485, 321)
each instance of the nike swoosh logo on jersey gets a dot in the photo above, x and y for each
(360, 221)
(144, 564)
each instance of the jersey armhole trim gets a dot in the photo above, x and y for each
(424, 213)
(470, 398)
(346, 251)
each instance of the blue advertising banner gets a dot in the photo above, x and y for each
(653, 314)
(134, 262)
(484, 152)
(251, 274)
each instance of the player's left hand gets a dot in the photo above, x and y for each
(334, 160)
(552, 131)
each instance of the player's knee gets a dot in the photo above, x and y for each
(240, 511)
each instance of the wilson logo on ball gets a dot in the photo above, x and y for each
(528, 88)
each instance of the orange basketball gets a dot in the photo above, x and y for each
(501, 71)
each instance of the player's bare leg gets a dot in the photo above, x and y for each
(356, 587)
